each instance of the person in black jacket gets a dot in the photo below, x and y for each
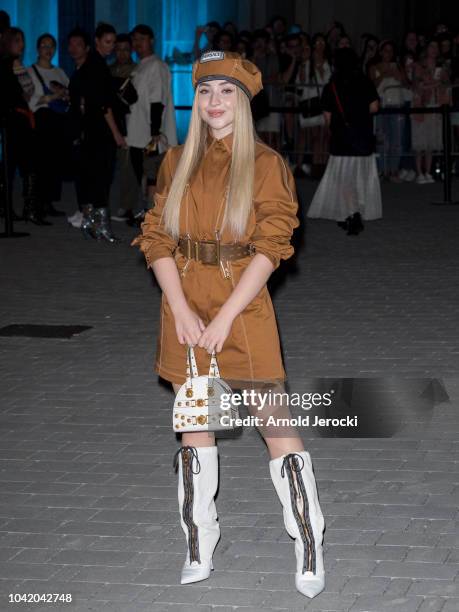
(92, 98)
(349, 190)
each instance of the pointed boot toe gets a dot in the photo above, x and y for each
(310, 584)
(196, 572)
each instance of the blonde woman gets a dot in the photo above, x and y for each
(224, 214)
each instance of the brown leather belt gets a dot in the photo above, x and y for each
(212, 252)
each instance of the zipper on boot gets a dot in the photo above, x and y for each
(300, 508)
(188, 454)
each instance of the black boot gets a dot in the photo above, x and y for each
(32, 210)
(355, 225)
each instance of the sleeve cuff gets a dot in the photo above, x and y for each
(152, 256)
(272, 258)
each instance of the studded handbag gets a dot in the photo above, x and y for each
(203, 403)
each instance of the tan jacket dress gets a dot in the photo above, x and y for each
(252, 350)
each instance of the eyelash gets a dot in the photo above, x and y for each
(229, 90)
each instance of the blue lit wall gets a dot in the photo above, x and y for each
(34, 17)
(173, 21)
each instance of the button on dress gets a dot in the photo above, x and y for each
(251, 354)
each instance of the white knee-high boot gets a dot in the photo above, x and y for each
(295, 485)
(197, 485)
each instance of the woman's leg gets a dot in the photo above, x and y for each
(301, 147)
(197, 464)
(428, 161)
(293, 479)
(419, 170)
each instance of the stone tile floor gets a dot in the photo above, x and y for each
(87, 489)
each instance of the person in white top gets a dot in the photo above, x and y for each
(151, 127)
(390, 81)
(49, 103)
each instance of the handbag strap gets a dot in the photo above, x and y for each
(46, 89)
(317, 83)
(192, 368)
(338, 104)
(214, 372)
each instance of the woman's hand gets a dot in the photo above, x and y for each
(215, 334)
(188, 326)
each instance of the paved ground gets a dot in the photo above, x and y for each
(88, 494)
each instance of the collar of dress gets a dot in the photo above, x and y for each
(226, 141)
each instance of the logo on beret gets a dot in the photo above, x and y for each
(209, 56)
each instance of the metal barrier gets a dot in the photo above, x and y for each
(311, 136)
(444, 111)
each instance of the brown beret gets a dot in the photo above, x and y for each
(227, 66)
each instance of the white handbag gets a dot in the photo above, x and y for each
(198, 403)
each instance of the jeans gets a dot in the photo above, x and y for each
(390, 130)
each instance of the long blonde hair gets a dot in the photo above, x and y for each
(240, 187)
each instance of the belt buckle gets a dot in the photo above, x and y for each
(209, 242)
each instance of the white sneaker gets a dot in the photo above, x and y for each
(421, 179)
(410, 175)
(402, 174)
(428, 178)
(76, 219)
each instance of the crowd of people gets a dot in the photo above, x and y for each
(101, 119)
(118, 114)
(422, 70)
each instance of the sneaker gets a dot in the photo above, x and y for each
(76, 219)
(402, 174)
(306, 169)
(428, 178)
(410, 176)
(421, 179)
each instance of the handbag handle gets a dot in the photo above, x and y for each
(192, 368)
